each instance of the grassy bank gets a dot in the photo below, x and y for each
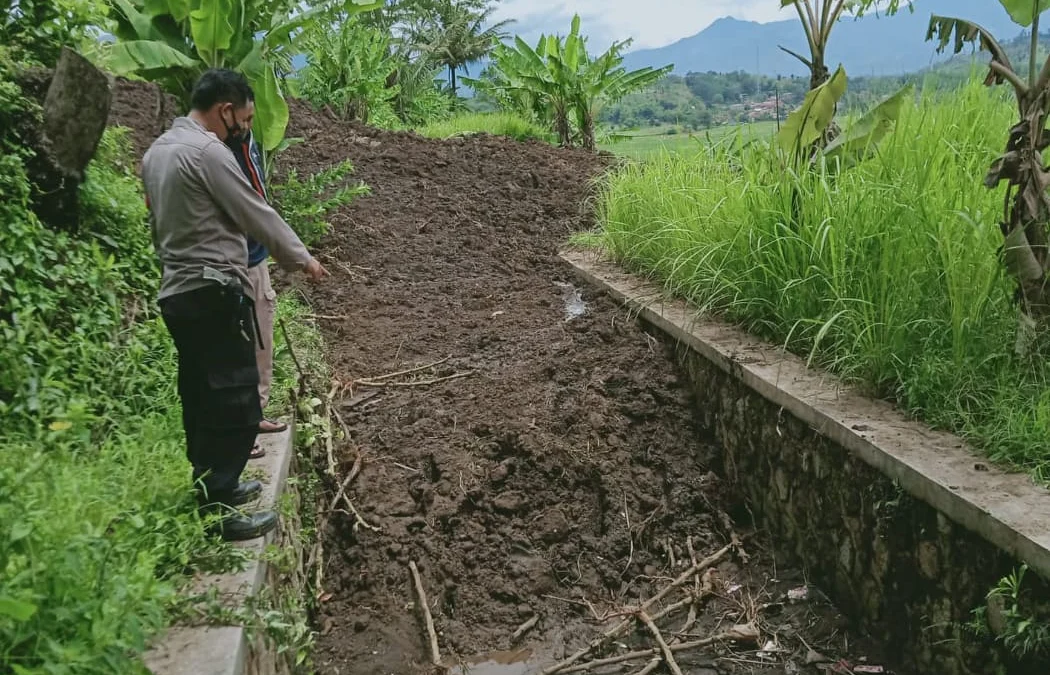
(496, 124)
(99, 533)
(889, 275)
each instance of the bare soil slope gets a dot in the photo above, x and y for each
(547, 465)
(562, 468)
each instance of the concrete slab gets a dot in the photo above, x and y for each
(223, 650)
(1007, 509)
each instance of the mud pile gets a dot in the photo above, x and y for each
(558, 472)
(522, 440)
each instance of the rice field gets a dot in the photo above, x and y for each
(887, 274)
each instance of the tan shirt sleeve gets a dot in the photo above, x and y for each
(248, 211)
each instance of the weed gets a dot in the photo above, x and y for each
(1004, 617)
(305, 204)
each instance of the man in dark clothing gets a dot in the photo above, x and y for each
(201, 211)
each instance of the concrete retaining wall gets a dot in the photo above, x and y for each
(904, 527)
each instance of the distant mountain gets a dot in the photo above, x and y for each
(868, 46)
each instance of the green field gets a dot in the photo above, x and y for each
(650, 142)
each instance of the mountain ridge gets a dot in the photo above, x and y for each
(871, 45)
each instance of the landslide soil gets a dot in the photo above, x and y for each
(551, 480)
(559, 471)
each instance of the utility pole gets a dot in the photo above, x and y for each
(777, 89)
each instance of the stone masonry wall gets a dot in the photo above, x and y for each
(905, 573)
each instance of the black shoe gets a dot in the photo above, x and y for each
(241, 527)
(246, 491)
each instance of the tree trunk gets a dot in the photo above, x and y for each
(1025, 246)
(818, 75)
(452, 79)
(587, 131)
(562, 128)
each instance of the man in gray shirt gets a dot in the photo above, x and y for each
(202, 209)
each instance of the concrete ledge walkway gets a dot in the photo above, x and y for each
(224, 650)
(1006, 509)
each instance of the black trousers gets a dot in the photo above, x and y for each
(214, 333)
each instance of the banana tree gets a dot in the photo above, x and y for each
(802, 130)
(173, 41)
(818, 17)
(1021, 167)
(595, 82)
(561, 83)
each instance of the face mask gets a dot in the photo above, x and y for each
(234, 133)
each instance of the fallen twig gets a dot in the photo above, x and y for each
(631, 656)
(668, 656)
(630, 535)
(525, 628)
(615, 630)
(329, 317)
(418, 383)
(399, 373)
(358, 517)
(435, 653)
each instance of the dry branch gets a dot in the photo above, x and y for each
(668, 656)
(618, 628)
(328, 317)
(525, 628)
(435, 653)
(630, 535)
(399, 373)
(419, 383)
(631, 656)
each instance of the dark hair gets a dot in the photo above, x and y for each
(221, 85)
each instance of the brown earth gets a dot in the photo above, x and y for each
(553, 478)
(557, 471)
(144, 109)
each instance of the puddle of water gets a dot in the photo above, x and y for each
(497, 663)
(574, 304)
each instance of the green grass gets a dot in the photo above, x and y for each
(649, 143)
(496, 123)
(889, 275)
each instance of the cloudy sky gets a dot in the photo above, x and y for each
(652, 23)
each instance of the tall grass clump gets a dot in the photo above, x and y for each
(507, 124)
(887, 273)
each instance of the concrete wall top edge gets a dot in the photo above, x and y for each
(1007, 509)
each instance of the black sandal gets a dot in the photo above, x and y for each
(278, 426)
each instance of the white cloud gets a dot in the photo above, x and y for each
(652, 23)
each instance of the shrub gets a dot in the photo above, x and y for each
(305, 204)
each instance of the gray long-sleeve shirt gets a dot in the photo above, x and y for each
(201, 209)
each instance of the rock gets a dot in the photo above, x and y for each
(510, 502)
(75, 109)
(75, 112)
